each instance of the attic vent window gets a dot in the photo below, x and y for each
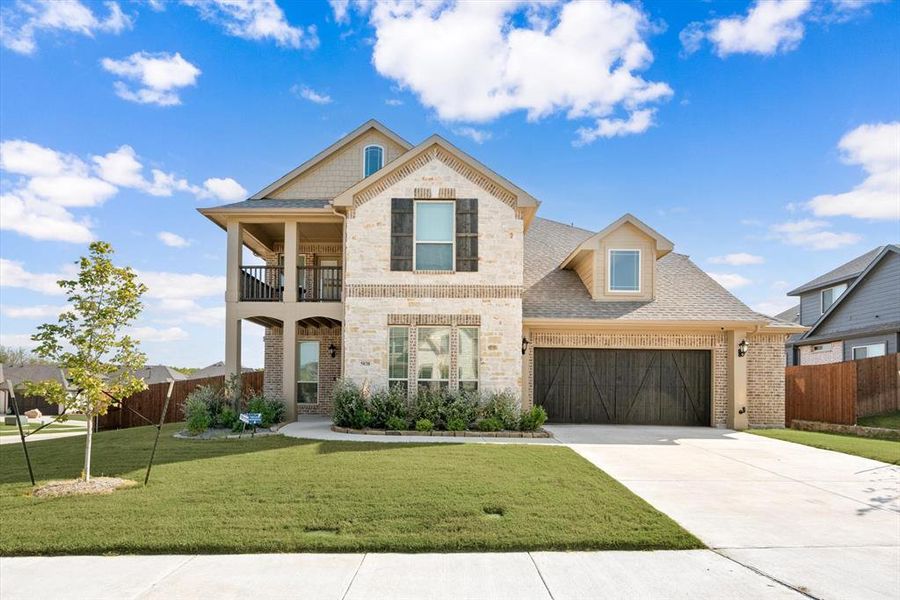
(373, 159)
(625, 270)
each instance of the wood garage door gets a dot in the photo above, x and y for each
(647, 387)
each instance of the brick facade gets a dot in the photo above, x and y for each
(831, 352)
(765, 380)
(329, 368)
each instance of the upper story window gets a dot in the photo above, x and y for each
(625, 270)
(434, 236)
(373, 159)
(830, 295)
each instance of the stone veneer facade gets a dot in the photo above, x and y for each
(375, 296)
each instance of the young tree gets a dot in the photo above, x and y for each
(89, 342)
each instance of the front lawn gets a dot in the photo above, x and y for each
(883, 450)
(55, 428)
(277, 494)
(887, 421)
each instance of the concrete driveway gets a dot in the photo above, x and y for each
(825, 523)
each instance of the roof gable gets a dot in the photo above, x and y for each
(662, 243)
(846, 271)
(437, 148)
(317, 160)
(842, 299)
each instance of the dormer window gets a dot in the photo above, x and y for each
(830, 295)
(373, 159)
(625, 271)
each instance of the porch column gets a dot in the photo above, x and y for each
(233, 262)
(737, 415)
(290, 262)
(289, 368)
(232, 344)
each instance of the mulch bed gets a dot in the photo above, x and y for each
(76, 487)
(474, 434)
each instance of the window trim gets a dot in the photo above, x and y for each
(609, 255)
(452, 242)
(853, 350)
(366, 147)
(392, 380)
(459, 379)
(318, 383)
(449, 330)
(834, 298)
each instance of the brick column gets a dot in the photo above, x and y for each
(289, 369)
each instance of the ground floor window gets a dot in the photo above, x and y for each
(467, 360)
(433, 357)
(869, 350)
(308, 372)
(398, 359)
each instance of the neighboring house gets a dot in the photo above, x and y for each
(418, 266)
(852, 311)
(217, 369)
(158, 374)
(18, 375)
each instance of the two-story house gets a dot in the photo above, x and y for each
(852, 311)
(417, 266)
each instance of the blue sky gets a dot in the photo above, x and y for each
(763, 139)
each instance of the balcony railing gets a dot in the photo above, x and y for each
(314, 284)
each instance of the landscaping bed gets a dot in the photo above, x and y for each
(857, 430)
(279, 494)
(472, 434)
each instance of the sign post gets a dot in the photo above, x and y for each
(250, 419)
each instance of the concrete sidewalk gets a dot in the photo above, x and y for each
(513, 576)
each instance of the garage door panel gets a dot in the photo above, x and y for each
(669, 387)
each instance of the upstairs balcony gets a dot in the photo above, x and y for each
(260, 283)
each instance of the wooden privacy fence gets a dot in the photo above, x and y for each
(842, 392)
(150, 402)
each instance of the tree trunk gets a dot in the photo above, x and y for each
(87, 447)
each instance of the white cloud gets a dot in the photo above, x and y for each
(307, 93)
(730, 281)
(341, 10)
(35, 311)
(17, 340)
(223, 189)
(811, 234)
(14, 275)
(255, 20)
(737, 259)
(477, 61)
(394, 102)
(46, 183)
(153, 335)
(21, 21)
(172, 239)
(876, 148)
(479, 136)
(181, 286)
(159, 77)
(769, 27)
(190, 311)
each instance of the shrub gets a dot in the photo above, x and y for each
(396, 424)
(271, 410)
(489, 424)
(504, 407)
(456, 424)
(424, 425)
(347, 400)
(360, 418)
(459, 408)
(386, 405)
(429, 405)
(227, 418)
(533, 419)
(196, 414)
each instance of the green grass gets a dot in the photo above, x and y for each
(55, 428)
(883, 450)
(276, 494)
(887, 421)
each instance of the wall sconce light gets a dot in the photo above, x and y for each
(332, 349)
(525, 343)
(742, 348)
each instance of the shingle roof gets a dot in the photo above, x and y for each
(270, 203)
(791, 315)
(35, 373)
(683, 291)
(216, 369)
(848, 270)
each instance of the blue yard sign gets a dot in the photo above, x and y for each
(251, 418)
